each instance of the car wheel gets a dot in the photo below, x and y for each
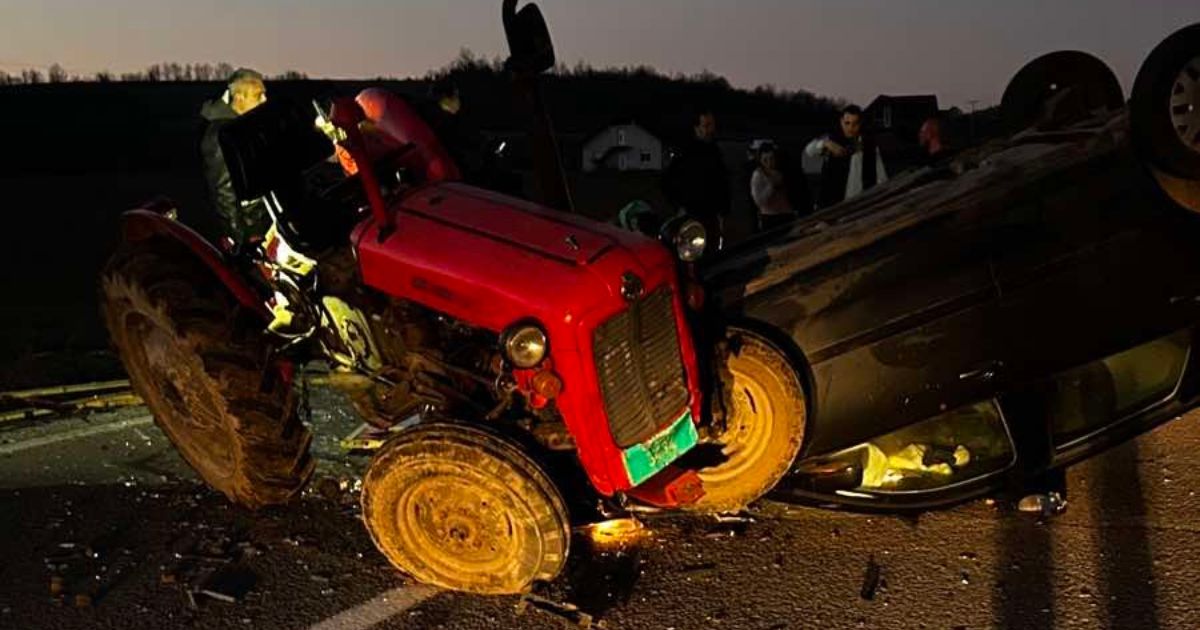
(196, 359)
(1165, 106)
(765, 412)
(1059, 88)
(462, 508)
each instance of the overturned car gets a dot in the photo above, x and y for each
(971, 325)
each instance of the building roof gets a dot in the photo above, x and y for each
(650, 129)
(906, 101)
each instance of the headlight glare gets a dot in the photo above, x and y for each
(690, 241)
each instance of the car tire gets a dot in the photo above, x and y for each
(196, 359)
(765, 410)
(1165, 106)
(1036, 84)
(462, 508)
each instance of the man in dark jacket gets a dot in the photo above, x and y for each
(243, 222)
(853, 163)
(476, 158)
(697, 180)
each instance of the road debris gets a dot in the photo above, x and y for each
(616, 532)
(1046, 504)
(208, 565)
(562, 611)
(871, 580)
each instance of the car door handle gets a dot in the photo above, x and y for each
(985, 372)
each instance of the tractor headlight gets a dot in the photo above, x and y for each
(690, 241)
(525, 345)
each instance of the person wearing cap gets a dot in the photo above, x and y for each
(242, 222)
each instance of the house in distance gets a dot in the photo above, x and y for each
(626, 146)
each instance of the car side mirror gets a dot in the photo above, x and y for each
(531, 50)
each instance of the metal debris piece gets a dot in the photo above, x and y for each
(1047, 504)
(219, 596)
(871, 577)
(564, 611)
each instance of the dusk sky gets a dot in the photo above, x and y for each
(959, 50)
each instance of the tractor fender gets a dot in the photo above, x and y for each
(151, 222)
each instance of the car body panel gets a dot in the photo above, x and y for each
(945, 288)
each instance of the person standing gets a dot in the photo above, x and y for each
(697, 180)
(853, 163)
(933, 146)
(769, 191)
(243, 222)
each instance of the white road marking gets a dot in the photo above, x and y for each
(384, 607)
(99, 429)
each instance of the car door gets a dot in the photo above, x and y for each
(1097, 274)
(896, 331)
(1090, 262)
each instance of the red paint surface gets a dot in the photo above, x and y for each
(493, 261)
(142, 224)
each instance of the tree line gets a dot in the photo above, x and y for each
(469, 63)
(158, 72)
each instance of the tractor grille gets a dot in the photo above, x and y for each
(641, 374)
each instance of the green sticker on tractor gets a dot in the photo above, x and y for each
(644, 460)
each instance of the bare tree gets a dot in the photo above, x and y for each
(104, 76)
(222, 71)
(56, 74)
(31, 77)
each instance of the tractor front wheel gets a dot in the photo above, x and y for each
(765, 406)
(465, 509)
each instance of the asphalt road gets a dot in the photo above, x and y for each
(106, 505)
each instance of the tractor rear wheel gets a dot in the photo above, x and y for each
(462, 508)
(765, 409)
(196, 359)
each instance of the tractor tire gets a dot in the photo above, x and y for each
(462, 508)
(1164, 110)
(196, 358)
(765, 415)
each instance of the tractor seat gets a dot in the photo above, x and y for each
(276, 151)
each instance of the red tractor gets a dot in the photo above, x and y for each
(505, 347)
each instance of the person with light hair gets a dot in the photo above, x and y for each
(242, 222)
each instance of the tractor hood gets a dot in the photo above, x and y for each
(516, 223)
(492, 260)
